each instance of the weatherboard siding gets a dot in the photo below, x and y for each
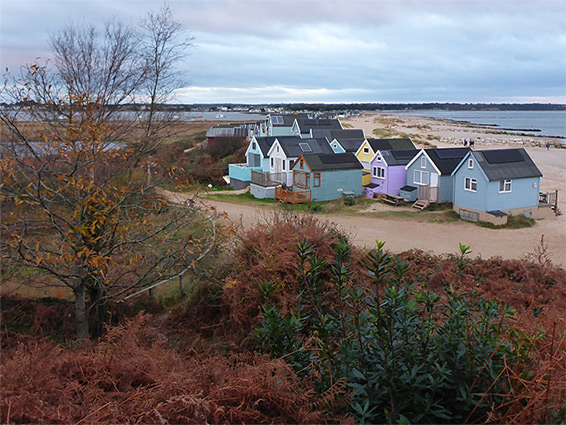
(396, 178)
(445, 189)
(332, 181)
(281, 131)
(474, 200)
(524, 194)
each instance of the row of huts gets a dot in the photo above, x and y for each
(297, 159)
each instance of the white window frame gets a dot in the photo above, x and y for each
(505, 186)
(380, 173)
(423, 162)
(366, 150)
(283, 165)
(470, 164)
(470, 184)
(420, 180)
(379, 158)
(374, 171)
(271, 162)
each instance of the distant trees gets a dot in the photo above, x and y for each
(77, 208)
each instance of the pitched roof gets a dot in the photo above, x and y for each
(351, 145)
(390, 144)
(295, 146)
(499, 164)
(265, 144)
(332, 162)
(338, 134)
(398, 157)
(447, 159)
(306, 124)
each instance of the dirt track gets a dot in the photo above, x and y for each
(401, 235)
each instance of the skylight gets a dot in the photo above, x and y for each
(305, 147)
(277, 119)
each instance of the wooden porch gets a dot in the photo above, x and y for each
(292, 197)
(427, 195)
(549, 200)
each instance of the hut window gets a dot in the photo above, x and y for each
(316, 179)
(504, 186)
(470, 184)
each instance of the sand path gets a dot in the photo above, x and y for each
(402, 235)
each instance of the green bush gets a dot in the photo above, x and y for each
(349, 201)
(405, 356)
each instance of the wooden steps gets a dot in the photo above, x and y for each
(421, 204)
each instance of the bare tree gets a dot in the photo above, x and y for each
(76, 207)
(164, 45)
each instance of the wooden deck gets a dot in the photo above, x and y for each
(299, 197)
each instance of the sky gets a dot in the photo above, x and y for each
(326, 51)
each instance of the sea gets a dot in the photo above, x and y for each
(537, 123)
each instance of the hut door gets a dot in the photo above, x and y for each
(423, 192)
(433, 194)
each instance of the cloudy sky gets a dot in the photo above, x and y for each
(269, 51)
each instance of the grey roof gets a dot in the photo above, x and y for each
(333, 161)
(351, 145)
(291, 145)
(499, 164)
(265, 144)
(390, 144)
(288, 119)
(306, 124)
(408, 188)
(398, 157)
(447, 159)
(338, 134)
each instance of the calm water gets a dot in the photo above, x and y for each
(550, 123)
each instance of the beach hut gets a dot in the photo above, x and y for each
(490, 185)
(430, 172)
(323, 177)
(388, 172)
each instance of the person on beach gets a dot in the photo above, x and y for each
(547, 145)
(465, 143)
(472, 143)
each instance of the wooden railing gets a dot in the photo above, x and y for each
(549, 199)
(299, 197)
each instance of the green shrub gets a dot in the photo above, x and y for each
(349, 201)
(404, 355)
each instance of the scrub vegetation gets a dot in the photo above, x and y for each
(290, 323)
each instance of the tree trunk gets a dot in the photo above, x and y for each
(81, 315)
(100, 316)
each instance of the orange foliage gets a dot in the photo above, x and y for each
(130, 377)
